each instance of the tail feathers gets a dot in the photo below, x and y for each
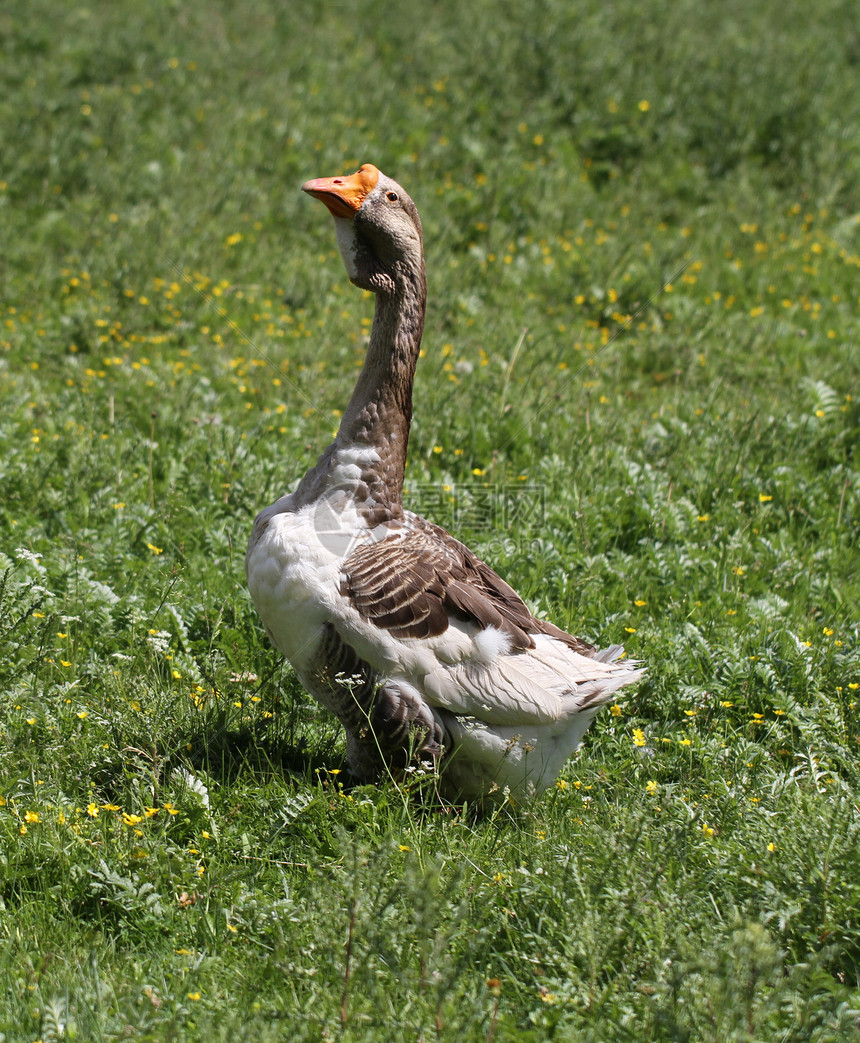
(609, 655)
(614, 654)
(603, 690)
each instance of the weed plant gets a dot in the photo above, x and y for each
(638, 400)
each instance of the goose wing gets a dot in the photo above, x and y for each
(464, 638)
(414, 585)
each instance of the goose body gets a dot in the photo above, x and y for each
(418, 647)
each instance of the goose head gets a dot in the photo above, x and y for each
(377, 226)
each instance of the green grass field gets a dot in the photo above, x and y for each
(639, 401)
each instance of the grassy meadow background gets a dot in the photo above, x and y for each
(639, 400)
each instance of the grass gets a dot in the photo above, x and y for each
(639, 401)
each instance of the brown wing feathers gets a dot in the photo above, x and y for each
(398, 586)
(411, 585)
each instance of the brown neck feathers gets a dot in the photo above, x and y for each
(380, 409)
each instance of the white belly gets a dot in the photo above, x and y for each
(295, 555)
(293, 577)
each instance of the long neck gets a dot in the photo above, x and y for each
(380, 409)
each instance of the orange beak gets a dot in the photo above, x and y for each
(344, 195)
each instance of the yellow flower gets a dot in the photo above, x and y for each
(561, 784)
(771, 846)
(639, 602)
(194, 996)
(726, 702)
(404, 847)
(638, 737)
(93, 810)
(644, 105)
(131, 820)
(707, 830)
(154, 549)
(32, 816)
(764, 498)
(651, 787)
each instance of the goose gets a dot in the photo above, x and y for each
(425, 655)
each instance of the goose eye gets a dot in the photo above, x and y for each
(392, 196)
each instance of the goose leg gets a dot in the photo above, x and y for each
(395, 729)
